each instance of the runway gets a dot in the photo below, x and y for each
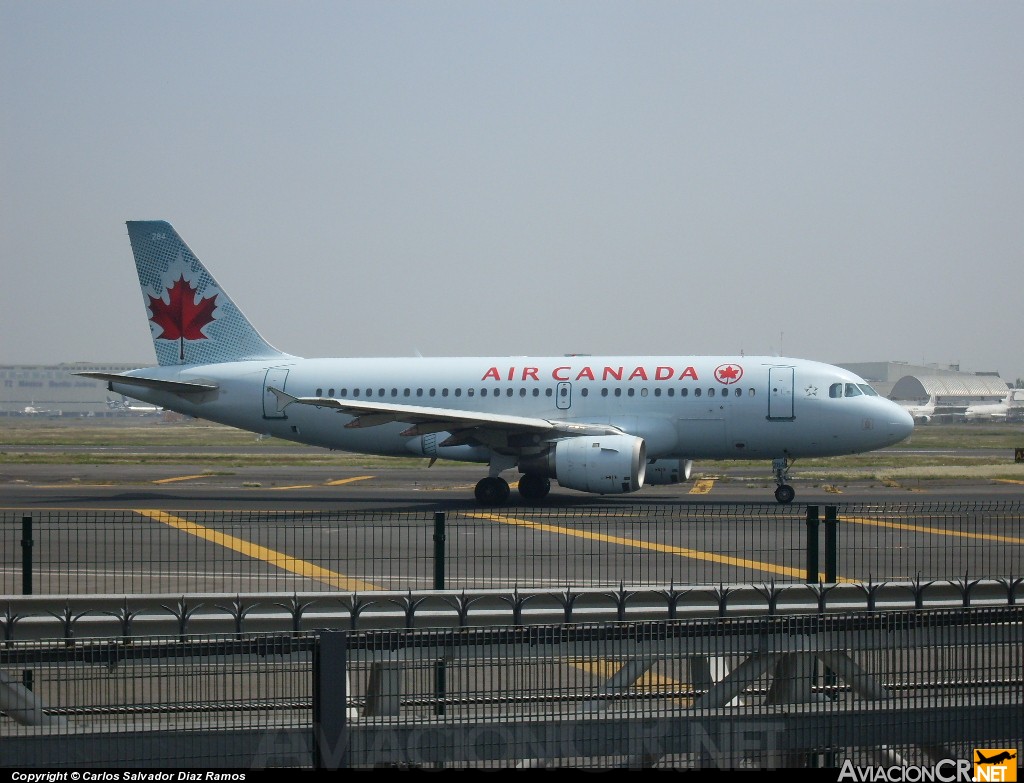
(441, 487)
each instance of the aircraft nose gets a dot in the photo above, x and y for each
(901, 423)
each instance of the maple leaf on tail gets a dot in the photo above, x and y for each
(182, 319)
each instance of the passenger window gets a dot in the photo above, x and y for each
(355, 392)
(394, 392)
(547, 392)
(319, 393)
(711, 392)
(458, 392)
(631, 391)
(419, 392)
(343, 392)
(583, 391)
(406, 392)
(618, 392)
(739, 393)
(684, 392)
(469, 392)
(380, 392)
(696, 392)
(522, 392)
(657, 392)
(671, 392)
(536, 392)
(483, 392)
(444, 392)
(604, 391)
(433, 392)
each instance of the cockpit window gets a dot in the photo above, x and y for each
(852, 390)
(835, 390)
(867, 390)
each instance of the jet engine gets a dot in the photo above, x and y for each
(668, 471)
(605, 464)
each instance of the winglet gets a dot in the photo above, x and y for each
(284, 399)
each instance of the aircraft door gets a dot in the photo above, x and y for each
(276, 377)
(780, 393)
(563, 395)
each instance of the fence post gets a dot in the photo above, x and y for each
(812, 545)
(330, 700)
(831, 544)
(26, 555)
(440, 669)
(27, 676)
(439, 517)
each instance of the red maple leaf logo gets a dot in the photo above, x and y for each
(182, 319)
(728, 373)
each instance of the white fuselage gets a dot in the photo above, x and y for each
(729, 407)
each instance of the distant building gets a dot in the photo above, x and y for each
(53, 389)
(933, 393)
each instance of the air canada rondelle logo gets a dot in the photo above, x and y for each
(728, 373)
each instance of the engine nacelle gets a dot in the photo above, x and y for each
(668, 471)
(605, 464)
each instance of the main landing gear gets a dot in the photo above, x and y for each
(491, 491)
(784, 493)
(494, 490)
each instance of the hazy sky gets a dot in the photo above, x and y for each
(841, 181)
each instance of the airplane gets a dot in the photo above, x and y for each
(32, 410)
(604, 425)
(125, 406)
(1003, 756)
(922, 412)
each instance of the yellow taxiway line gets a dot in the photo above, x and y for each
(694, 554)
(284, 562)
(935, 531)
(181, 478)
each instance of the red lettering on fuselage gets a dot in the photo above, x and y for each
(587, 373)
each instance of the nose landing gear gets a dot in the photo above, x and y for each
(784, 493)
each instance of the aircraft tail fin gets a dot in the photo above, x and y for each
(192, 319)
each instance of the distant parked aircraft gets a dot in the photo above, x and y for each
(32, 410)
(126, 406)
(605, 425)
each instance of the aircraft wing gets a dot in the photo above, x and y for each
(425, 419)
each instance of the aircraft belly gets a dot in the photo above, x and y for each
(703, 437)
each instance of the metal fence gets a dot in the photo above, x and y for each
(919, 687)
(156, 551)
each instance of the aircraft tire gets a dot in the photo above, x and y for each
(534, 487)
(785, 493)
(492, 491)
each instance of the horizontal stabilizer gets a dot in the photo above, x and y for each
(178, 387)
